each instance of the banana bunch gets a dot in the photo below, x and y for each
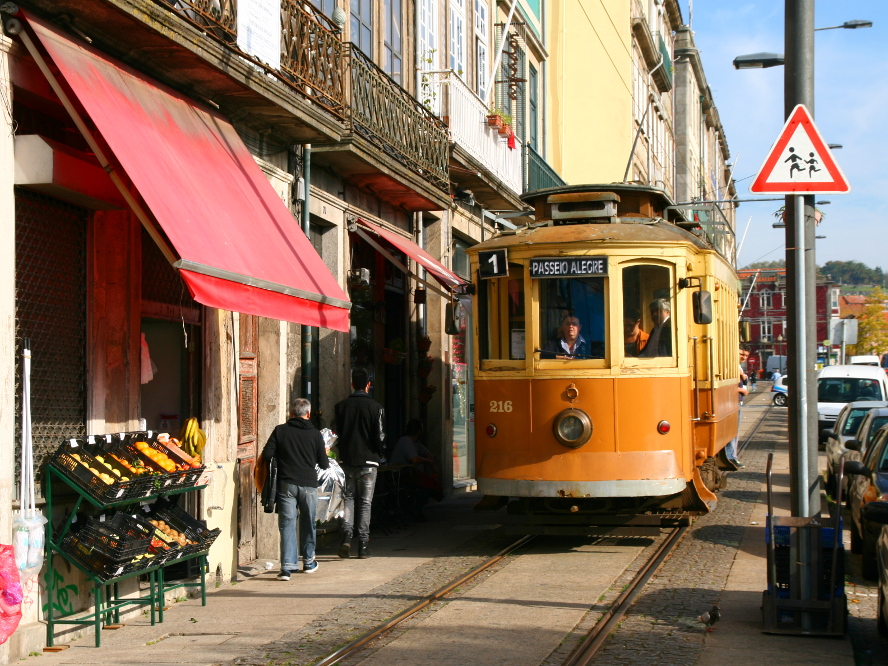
(192, 439)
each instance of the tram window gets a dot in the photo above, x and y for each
(501, 314)
(572, 318)
(647, 311)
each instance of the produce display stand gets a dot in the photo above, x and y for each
(105, 591)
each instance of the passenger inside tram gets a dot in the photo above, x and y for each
(572, 317)
(660, 338)
(634, 337)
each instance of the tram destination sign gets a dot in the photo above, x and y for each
(555, 267)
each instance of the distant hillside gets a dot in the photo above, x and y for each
(847, 273)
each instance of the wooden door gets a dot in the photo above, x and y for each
(248, 415)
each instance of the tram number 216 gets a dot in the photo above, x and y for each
(500, 405)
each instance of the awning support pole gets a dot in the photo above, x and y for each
(97, 151)
(385, 253)
(307, 333)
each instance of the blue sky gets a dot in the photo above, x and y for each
(851, 108)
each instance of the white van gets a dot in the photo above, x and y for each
(864, 360)
(838, 385)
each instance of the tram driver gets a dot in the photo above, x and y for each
(570, 344)
(660, 338)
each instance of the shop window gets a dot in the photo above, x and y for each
(647, 312)
(501, 310)
(572, 318)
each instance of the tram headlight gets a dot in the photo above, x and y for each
(572, 428)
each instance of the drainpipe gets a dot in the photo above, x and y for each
(307, 337)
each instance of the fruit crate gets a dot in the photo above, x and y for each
(120, 538)
(184, 522)
(177, 478)
(74, 459)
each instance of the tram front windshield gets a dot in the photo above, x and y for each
(572, 318)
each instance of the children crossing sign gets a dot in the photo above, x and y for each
(800, 162)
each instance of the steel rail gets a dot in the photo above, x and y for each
(352, 647)
(749, 437)
(585, 651)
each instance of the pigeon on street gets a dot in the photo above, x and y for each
(710, 618)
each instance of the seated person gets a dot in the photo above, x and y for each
(868, 391)
(570, 344)
(423, 481)
(660, 339)
(634, 338)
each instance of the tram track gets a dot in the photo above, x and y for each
(363, 640)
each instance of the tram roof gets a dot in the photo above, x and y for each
(656, 194)
(628, 230)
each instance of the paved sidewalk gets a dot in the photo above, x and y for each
(739, 638)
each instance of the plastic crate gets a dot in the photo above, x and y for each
(73, 468)
(175, 479)
(121, 538)
(100, 564)
(184, 522)
(164, 547)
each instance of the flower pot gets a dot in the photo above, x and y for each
(392, 357)
(494, 120)
(425, 398)
(504, 130)
(424, 372)
(423, 344)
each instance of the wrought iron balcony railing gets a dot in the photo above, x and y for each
(392, 119)
(448, 96)
(318, 65)
(538, 174)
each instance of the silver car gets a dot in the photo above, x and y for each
(846, 428)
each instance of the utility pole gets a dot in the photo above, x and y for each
(801, 277)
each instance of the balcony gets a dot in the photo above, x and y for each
(538, 174)
(447, 95)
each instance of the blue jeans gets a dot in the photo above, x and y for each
(731, 447)
(296, 504)
(359, 481)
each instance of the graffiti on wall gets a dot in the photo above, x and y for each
(63, 594)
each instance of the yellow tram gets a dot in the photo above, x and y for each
(606, 359)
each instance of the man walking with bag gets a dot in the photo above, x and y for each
(297, 448)
(360, 425)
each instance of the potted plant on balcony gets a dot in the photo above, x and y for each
(424, 367)
(395, 353)
(423, 343)
(426, 393)
(506, 128)
(495, 118)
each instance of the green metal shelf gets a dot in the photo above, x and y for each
(106, 592)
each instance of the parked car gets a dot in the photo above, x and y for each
(868, 359)
(877, 513)
(839, 438)
(868, 482)
(837, 385)
(778, 391)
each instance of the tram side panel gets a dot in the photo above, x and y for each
(626, 455)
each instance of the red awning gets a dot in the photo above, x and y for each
(239, 247)
(435, 268)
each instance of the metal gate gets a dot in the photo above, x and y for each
(50, 310)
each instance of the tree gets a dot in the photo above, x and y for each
(872, 327)
(779, 263)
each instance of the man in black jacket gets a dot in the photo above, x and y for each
(297, 447)
(360, 425)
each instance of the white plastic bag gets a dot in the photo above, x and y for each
(29, 539)
(330, 483)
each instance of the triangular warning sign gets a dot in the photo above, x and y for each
(800, 162)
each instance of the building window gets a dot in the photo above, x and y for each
(481, 64)
(458, 37)
(767, 330)
(428, 35)
(533, 106)
(326, 7)
(765, 299)
(392, 46)
(461, 259)
(362, 25)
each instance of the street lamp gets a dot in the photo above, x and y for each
(834, 146)
(758, 60)
(780, 349)
(849, 25)
(762, 60)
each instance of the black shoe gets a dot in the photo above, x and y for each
(346, 546)
(364, 550)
